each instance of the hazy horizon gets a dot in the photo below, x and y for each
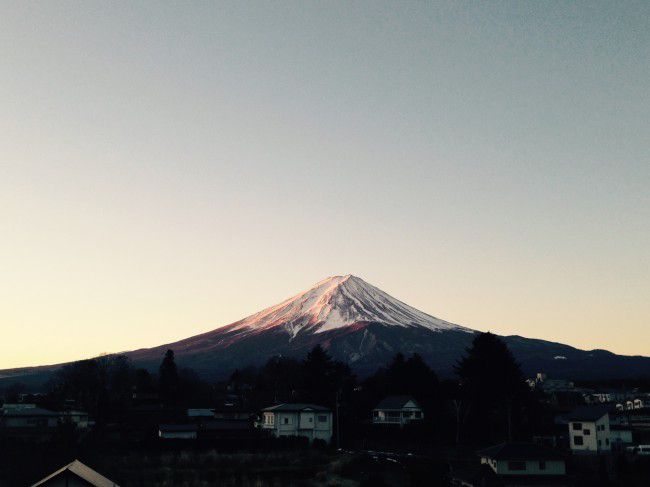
(171, 168)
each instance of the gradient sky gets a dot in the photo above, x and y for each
(167, 168)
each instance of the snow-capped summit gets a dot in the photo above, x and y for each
(363, 327)
(337, 302)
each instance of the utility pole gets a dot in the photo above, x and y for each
(338, 429)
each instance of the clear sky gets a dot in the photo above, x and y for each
(170, 167)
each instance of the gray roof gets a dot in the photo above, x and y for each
(587, 413)
(83, 472)
(296, 407)
(395, 402)
(520, 451)
(169, 428)
(31, 412)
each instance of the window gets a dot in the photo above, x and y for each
(577, 440)
(286, 420)
(311, 420)
(418, 414)
(586, 432)
(577, 426)
(517, 466)
(607, 441)
(322, 418)
(542, 465)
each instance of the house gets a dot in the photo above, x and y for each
(630, 404)
(526, 459)
(514, 464)
(75, 474)
(199, 414)
(307, 420)
(24, 417)
(177, 431)
(397, 410)
(27, 416)
(589, 430)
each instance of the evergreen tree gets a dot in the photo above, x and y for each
(168, 378)
(492, 389)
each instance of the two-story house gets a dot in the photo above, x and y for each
(307, 420)
(589, 430)
(398, 410)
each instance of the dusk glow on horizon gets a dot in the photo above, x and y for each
(170, 168)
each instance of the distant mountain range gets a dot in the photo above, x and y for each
(363, 326)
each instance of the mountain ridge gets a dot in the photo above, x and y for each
(363, 326)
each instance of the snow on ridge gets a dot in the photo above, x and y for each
(339, 301)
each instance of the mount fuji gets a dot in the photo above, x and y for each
(365, 327)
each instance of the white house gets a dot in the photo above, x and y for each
(514, 465)
(397, 410)
(527, 459)
(589, 430)
(307, 420)
(631, 404)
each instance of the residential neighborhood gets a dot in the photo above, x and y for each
(403, 426)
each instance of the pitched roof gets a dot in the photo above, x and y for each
(587, 413)
(30, 412)
(83, 472)
(200, 412)
(295, 407)
(395, 402)
(175, 428)
(520, 451)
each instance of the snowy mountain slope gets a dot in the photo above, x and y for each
(337, 302)
(363, 326)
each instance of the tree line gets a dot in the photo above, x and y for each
(486, 401)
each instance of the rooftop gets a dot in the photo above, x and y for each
(587, 413)
(296, 407)
(395, 402)
(31, 411)
(175, 428)
(81, 471)
(520, 451)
